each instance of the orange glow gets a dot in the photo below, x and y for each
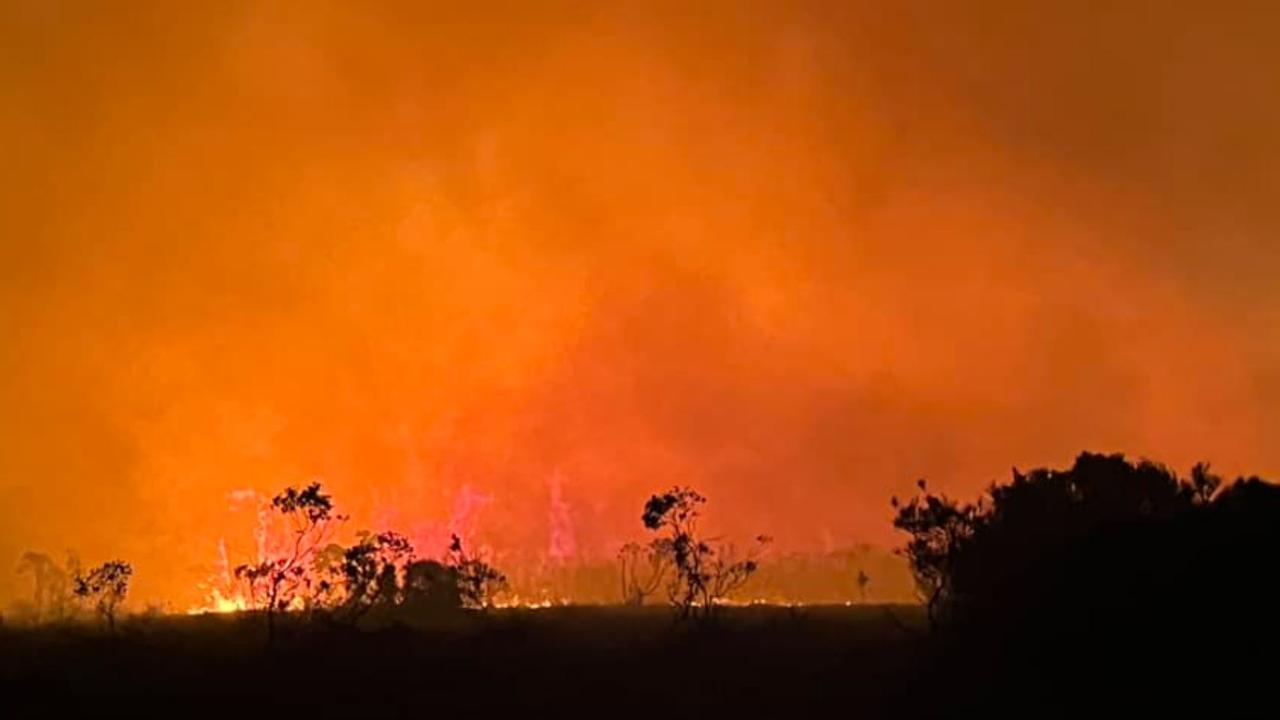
(219, 604)
(505, 273)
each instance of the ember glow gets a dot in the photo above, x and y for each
(503, 272)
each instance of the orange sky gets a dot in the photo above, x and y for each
(796, 257)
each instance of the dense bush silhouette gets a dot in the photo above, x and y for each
(371, 571)
(430, 587)
(476, 580)
(1107, 565)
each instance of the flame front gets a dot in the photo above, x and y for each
(219, 603)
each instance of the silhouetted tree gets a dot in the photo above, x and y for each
(642, 569)
(939, 527)
(863, 581)
(371, 570)
(478, 581)
(329, 587)
(52, 594)
(1202, 486)
(705, 570)
(106, 587)
(275, 583)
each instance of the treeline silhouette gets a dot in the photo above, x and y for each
(60, 592)
(1109, 586)
(312, 579)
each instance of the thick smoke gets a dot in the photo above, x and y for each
(506, 271)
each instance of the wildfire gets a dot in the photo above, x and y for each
(515, 601)
(226, 593)
(223, 593)
(556, 577)
(219, 603)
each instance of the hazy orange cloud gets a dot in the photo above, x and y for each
(509, 272)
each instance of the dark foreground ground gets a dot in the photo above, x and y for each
(580, 662)
(776, 662)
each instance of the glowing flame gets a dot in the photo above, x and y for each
(219, 603)
(515, 601)
(556, 574)
(223, 594)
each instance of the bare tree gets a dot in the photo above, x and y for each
(642, 569)
(51, 597)
(727, 570)
(106, 586)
